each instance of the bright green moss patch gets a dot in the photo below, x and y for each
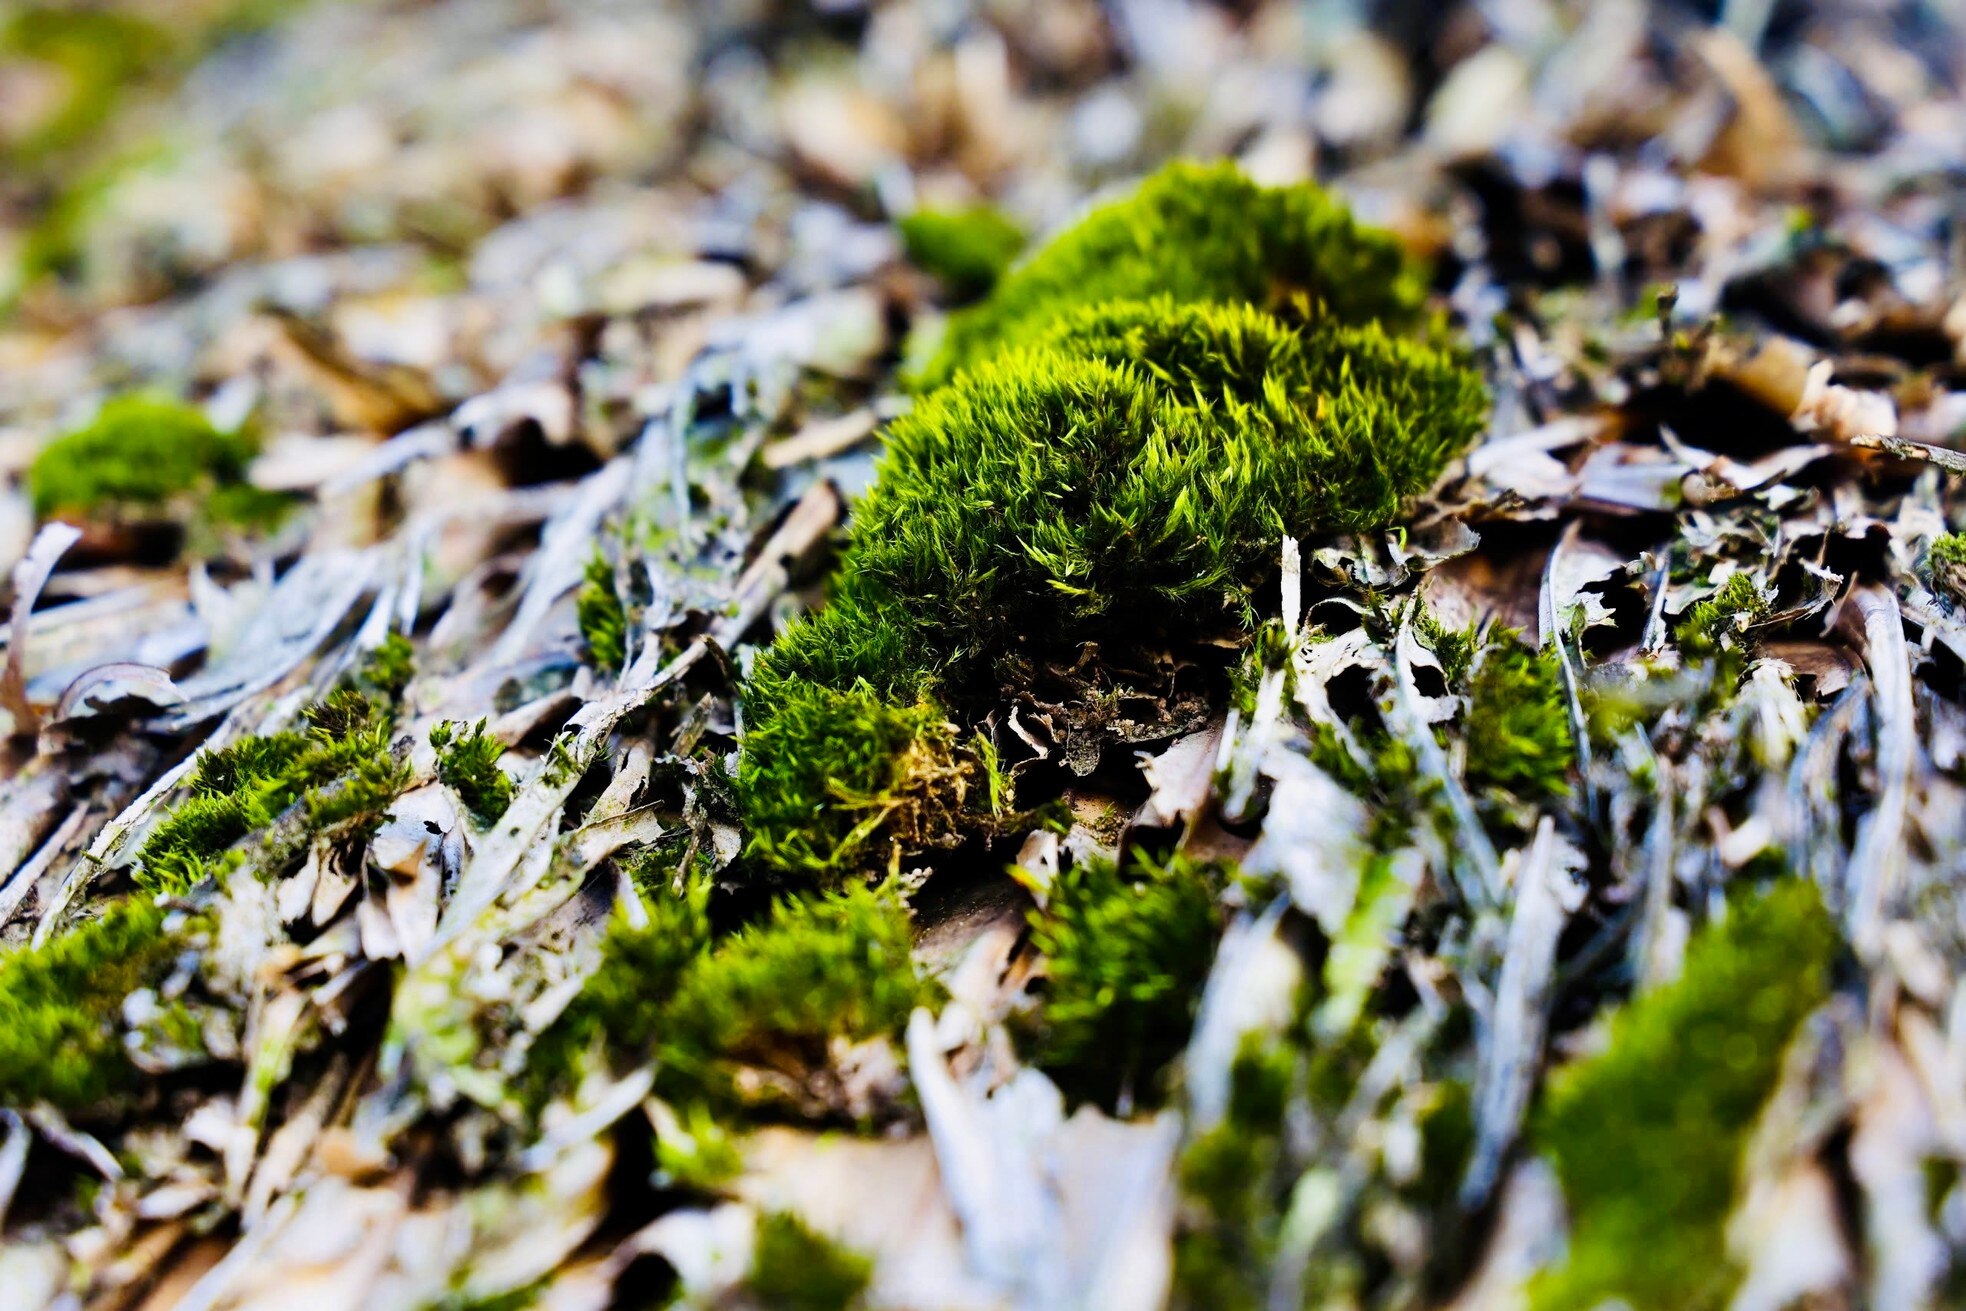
(1947, 559)
(341, 768)
(967, 249)
(1125, 959)
(1132, 431)
(1647, 1136)
(794, 1268)
(1720, 622)
(1195, 232)
(143, 453)
(831, 770)
(61, 1006)
(752, 1022)
(467, 763)
(1518, 728)
(602, 617)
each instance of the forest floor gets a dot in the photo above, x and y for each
(651, 663)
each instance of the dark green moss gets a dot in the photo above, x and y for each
(1195, 232)
(796, 1269)
(467, 763)
(603, 619)
(967, 249)
(1518, 728)
(1232, 1177)
(139, 452)
(61, 1017)
(1125, 959)
(1647, 1136)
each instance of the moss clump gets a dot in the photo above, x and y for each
(1720, 623)
(1118, 458)
(1125, 959)
(1518, 727)
(1231, 1177)
(144, 454)
(1947, 560)
(751, 1023)
(1647, 1136)
(754, 1023)
(967, 249)
(602, 617)
(467, 763)
(340, 768)
(61, 1006)
(1196, 232)
(832, 771)
(796, 1269)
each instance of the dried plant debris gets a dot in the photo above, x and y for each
(982, 656)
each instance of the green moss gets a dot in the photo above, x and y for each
(99, 51)
(61, 1024)
(1647, 1136)
(1132, 431)
(1518, 727)
(341, 769)
(387, 670)
(467, 763)
(1947, 560)
(602, 617)
(138, 452)
(1232, 1180)
(1125, 959)
(753, 1024)
(967, 249)
(1195, 232)
(835, 781)
(1720, 623)
(796, 1269)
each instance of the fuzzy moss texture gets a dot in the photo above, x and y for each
(1112, 443)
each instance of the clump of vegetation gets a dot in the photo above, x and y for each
(467, 763)
(1126, 955)
(1518, 728)
(602, 617)
(1947, 559)
(795, 1269)
(61, 1005)
(750, 1023)
(1230, 1178)
(340, 768)
(1131, 432)
(1196, 232)
(1721, 622)
(831, 770)
(145, 455)
(1647, 1136)
(967, 249)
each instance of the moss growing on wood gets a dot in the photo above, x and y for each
(61, 1006)
(467, 763)
(1125, 959)
(144, 454)
(1196, 232)
(967, 249)
(1647, 1136)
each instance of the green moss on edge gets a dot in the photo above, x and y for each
(1647, 1136)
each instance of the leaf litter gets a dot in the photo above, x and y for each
(1516, 868)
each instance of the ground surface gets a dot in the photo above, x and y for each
(1548, 897)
